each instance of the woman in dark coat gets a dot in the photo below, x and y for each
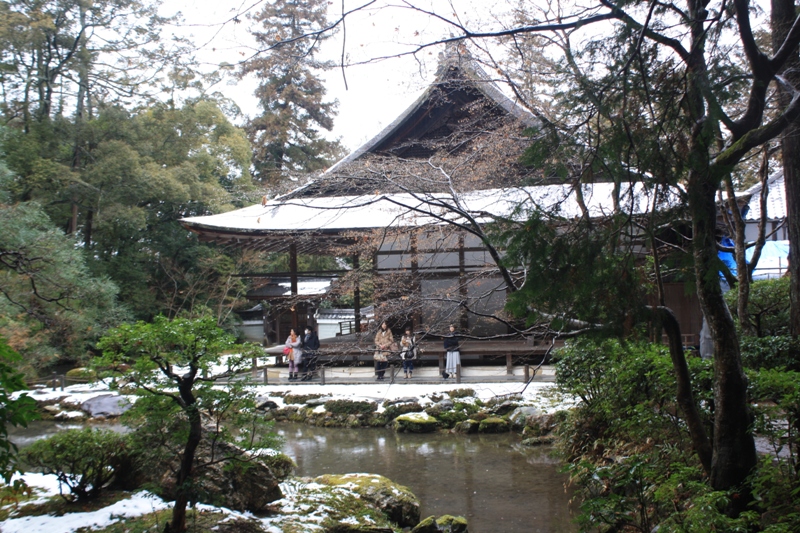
(451, 347)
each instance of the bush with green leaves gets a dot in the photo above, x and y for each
(627, 391)
(14, 410)
(630, 455)
(768, 307)
(83, 460)
(780, 351)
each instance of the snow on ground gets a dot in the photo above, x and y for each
(539, 394)
(46, 485)
(72, 395)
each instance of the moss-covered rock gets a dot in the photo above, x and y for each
(538, 441)
(493, 425)
(280, 464)
(81, 374)
(348, 407)
(396, 501)
(467, 426)
(300, 398)
(391, 412)
(461, 393)
(312, 506)
(415, 423)
(443, 524)
(539, 425)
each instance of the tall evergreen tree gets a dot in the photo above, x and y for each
(286, 135)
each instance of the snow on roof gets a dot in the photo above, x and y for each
(337, 213)
(776, 200)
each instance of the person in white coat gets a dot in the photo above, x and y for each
(295, 356)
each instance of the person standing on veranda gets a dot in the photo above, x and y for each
(453, 353)
(310, 353)
(408, 352)
(295, 356)
(383, 344)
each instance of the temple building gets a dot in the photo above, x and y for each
(407, 211)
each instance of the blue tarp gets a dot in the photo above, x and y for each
(773, 262)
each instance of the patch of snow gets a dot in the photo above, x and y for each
(138, 504)
(68, 415)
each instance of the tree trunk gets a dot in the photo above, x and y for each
(783, 14)
(183, 488)
(684, 394)
(734, 454)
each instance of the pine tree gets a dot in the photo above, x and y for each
(286, 136)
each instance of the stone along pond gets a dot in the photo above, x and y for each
(493, 481)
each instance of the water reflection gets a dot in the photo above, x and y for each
(499, 486)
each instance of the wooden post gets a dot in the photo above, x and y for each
(416, 286)
(322, 375)
(458, 374)
(463, 317)
(255, 368)
(441, 363)
(63, 379)
(509, 365)
(391, 373)
(527, 373)
(54, 380)
(293, 281)
(266, 376)
(357, 294)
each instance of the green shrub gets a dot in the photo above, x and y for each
(776, 397)
(771, 352)
(347, 407)
(83, 460)
(768, 306)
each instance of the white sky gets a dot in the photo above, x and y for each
(376, 93)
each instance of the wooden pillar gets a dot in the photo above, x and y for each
(416, 285)
(463, 317)
(357, 293)
(509, 365)
(293, 282)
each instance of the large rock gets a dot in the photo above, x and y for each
(319, 401)
(493, 425)
(415, 423)
(396, 501)
(407, 399)
(467, 426)
(519, 417)
(106, 406)
(446, 404)
(243, 485)
(312, 506)
(504, 408)
(443, 524)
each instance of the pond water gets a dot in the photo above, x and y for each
(497, 484)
